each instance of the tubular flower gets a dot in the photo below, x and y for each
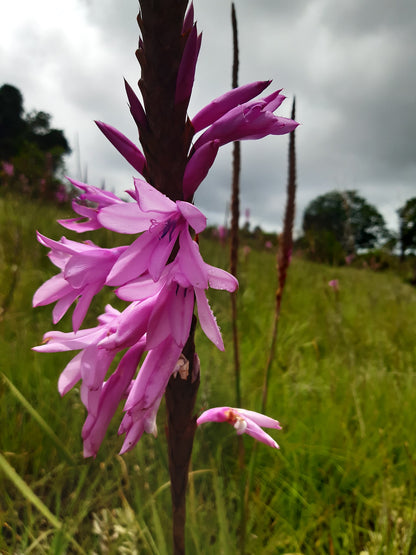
(90, 195)
(244, 421)
(84, 269)
(162, 221)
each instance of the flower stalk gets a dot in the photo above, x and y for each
(283, 256)
(235, 217)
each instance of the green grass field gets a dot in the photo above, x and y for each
(343, 386)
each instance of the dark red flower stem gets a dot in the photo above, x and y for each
(283, 256)
(165, 139)
(167, 136)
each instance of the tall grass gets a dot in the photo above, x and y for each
(343, 386)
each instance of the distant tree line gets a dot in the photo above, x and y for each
(339, 224)
(31, 151)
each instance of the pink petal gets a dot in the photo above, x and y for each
(139, 289)
(52, 290)
(150, 199)
(159, 327)
(61, 307)
(190, 261)
(207, 319)
(260, 419)
(255, 431)
(124, 218)
(153, 375)
(110, 396)
(216, 414)
(136, 108)
(161, 253)
(180, 315)
(83, 305)
(223, 104)
(220, 279)
(126, 148)
(133, 262)
(186, 71)
(273, 101)
(192, 215)
(70, 375)
(198, 166)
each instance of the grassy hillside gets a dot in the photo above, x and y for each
(343, 386)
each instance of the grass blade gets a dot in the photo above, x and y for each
(27, 492)
(42, 423)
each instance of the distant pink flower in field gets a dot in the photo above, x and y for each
(61, 194)
(334, 284)
(268, 245)
(349, 258)
(246, 251)
(222, 232)
(8, 168)
(244, 421)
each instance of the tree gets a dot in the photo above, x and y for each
(340, 223)
(12, 124)
(30, 146)
(407, 227)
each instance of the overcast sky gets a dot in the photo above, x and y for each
(350, 63)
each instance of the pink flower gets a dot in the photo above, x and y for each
(91, 195)
(334, 284)
(98, 346)
(252, 120)
(84, 269)
(125, 147)
(163, 222)
(234, 116)
(8, 168)
(244, 421)
(181, 282)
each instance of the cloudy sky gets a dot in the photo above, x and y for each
(350, 63)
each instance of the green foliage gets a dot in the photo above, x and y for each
(343, 386)
(407, 227)
(341, 222)
(32, 149)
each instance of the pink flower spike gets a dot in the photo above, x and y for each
(226, 102)
(244, 421)
(125, 147)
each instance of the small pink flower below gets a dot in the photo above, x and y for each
(244, 421)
